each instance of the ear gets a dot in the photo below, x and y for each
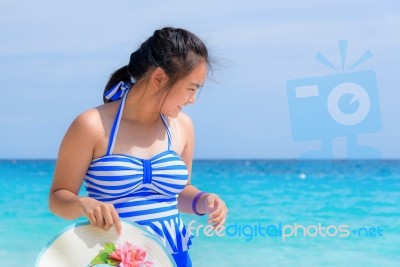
(159, 78)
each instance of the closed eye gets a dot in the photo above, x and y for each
(197, 85)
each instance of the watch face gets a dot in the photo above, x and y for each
(348, 103)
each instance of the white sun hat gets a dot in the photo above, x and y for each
(78, 244)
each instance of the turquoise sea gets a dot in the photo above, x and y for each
(349, 211)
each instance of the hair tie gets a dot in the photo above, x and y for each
(118, 91)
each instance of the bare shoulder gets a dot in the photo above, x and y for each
(186, 129)
(184, 121)
(88, 122)
(187, 138)
(93, 122)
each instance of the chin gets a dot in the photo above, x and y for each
(171, 114)
(175, 114)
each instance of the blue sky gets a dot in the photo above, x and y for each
(56, 56)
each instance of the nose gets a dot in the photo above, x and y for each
(191, 99)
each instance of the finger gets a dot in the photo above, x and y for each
(211, 202)
(218, 225)
(214, 215)
(108, 219)
(219, 228)
(217, 215)
(216, 219)
(99, 218)
(117, 221)
(91, 219)
(218, 210)
(219, 220)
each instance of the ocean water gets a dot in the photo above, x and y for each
(281, 213)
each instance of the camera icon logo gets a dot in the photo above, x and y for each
(358, 97)
(338, 105)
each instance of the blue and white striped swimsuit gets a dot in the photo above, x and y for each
(142, 190)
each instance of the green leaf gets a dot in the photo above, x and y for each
(109, 248)
(112, 262)
(101, 258)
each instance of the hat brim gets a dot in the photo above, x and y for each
(78, 244)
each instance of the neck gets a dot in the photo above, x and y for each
(142, 105)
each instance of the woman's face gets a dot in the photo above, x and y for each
(184, 91)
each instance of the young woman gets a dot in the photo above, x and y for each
(134, 153)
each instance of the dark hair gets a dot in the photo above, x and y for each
(176, 51)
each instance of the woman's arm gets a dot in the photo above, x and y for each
(207, 203)
(74, 157)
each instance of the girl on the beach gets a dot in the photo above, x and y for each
(134, 153)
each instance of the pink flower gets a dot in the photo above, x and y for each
(130, 256)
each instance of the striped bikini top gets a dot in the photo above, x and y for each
(142, 190)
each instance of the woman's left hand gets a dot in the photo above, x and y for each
(217, 210)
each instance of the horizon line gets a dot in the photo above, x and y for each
(238, 159)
